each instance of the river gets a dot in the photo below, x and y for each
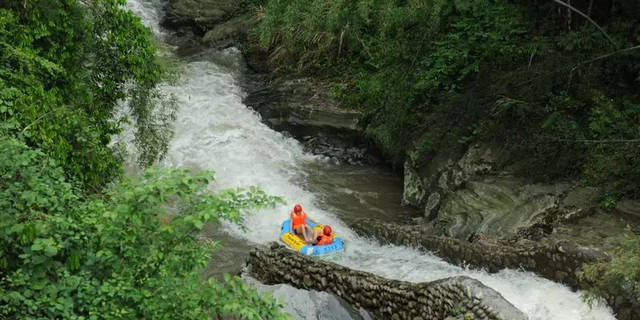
(214, 130)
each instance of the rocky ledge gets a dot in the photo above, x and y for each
(455, 297)
(558, 262)
(220, 23)
(304, 108)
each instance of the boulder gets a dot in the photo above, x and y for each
(201, 15)
(499, 207)
(309, 304)
(301, 101)
(229, 32)
(304, 108)
(414, 190)
(466, 195)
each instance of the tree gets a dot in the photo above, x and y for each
(65, 66)
(130, 253)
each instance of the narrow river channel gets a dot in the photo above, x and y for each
(215, 131)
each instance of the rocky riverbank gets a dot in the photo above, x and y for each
(560, 261)
(300, 106)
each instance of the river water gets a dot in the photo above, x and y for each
(214, 130)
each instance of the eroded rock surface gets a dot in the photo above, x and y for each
(304, 108)
(223, 23)
(470, 197)
(391, 299)
(235, 28)
(201, 14)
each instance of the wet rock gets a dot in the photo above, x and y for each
(309, 302)
(498, 207)
(431, 208)
(201, 15)
(414, 191)
(333, 146)
(467, 194)
(304, 102)
(230, 32)
(556, 261)
(393, 299)
(303, 108)
(630, 208)
(478, 160)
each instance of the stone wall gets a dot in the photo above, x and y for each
(391, 299)
(558, 262)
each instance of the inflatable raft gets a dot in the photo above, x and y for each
(296, 243)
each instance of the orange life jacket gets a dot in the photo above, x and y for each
(298, 219)
(324, 239)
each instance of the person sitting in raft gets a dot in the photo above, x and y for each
(299, 224)
(325, 238)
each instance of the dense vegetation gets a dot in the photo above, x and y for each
(538, 80)
(560, 93)
(78, 239)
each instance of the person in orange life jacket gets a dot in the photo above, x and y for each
(299, 224)
(325, 238)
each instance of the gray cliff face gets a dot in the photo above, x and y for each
(470, 197)
(390, 299)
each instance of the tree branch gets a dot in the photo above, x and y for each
(596, 140)
(35, 121)
(586, 17)
(604, 56)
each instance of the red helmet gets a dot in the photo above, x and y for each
(297, 208)
(326, 230)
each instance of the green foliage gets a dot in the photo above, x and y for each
(77, 242)
(618, 278)
(407, 58)
(65, 65)
(130, 253)
(434, 75)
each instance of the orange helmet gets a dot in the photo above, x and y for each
(326, 230)
(297, 208)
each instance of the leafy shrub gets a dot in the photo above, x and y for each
(64, 68)
(434, 75)
(129, 253)
(618, 278)
(403, 58)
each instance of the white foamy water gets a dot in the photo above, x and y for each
(215, 131)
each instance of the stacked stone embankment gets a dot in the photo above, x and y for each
(390, 299)
(559, 262)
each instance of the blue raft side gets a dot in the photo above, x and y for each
(335, 246)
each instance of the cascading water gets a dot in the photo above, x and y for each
(215, 131)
